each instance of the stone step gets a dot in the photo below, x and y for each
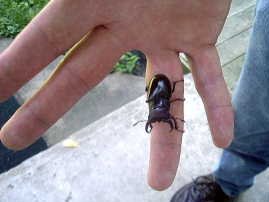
(112, 93)
(234, 47)
(4, 43)
(237, 23)
(111, 160)
(233, 40)
(232, 71)
(240, 5)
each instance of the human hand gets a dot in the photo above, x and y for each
(161, 29)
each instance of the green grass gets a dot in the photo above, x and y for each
(127, 63)
(16, 14)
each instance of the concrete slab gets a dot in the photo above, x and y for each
(4, 43)
(233, 40)
(232, 71)
(240, 5)
(234, 47)
(111, 162)
(112, 93)
(237, 23)
(258, 193)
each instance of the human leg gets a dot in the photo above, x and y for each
(248, 154)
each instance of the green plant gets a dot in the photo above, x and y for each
(127, 63)
(16, 14)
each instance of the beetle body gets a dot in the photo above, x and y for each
(159, 93)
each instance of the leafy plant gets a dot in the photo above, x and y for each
(127, 63)
(16, 14)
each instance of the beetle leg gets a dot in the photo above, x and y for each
(176, 125)
(172, 127)
(180, 130)
(177, 99)
(182, 120)
(170, 122)
(140, 121)
(175, 122)
(148, 126)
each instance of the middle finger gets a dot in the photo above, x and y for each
(165, 144)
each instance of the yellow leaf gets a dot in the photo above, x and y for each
(69, 143)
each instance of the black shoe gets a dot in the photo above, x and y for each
(202, 189)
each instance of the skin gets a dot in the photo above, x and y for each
(161, 29)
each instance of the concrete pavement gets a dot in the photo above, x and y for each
(111, 161)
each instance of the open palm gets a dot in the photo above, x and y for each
(102, 32)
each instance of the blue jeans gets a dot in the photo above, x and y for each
(248, 154)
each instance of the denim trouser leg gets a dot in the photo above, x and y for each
(248, 155)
